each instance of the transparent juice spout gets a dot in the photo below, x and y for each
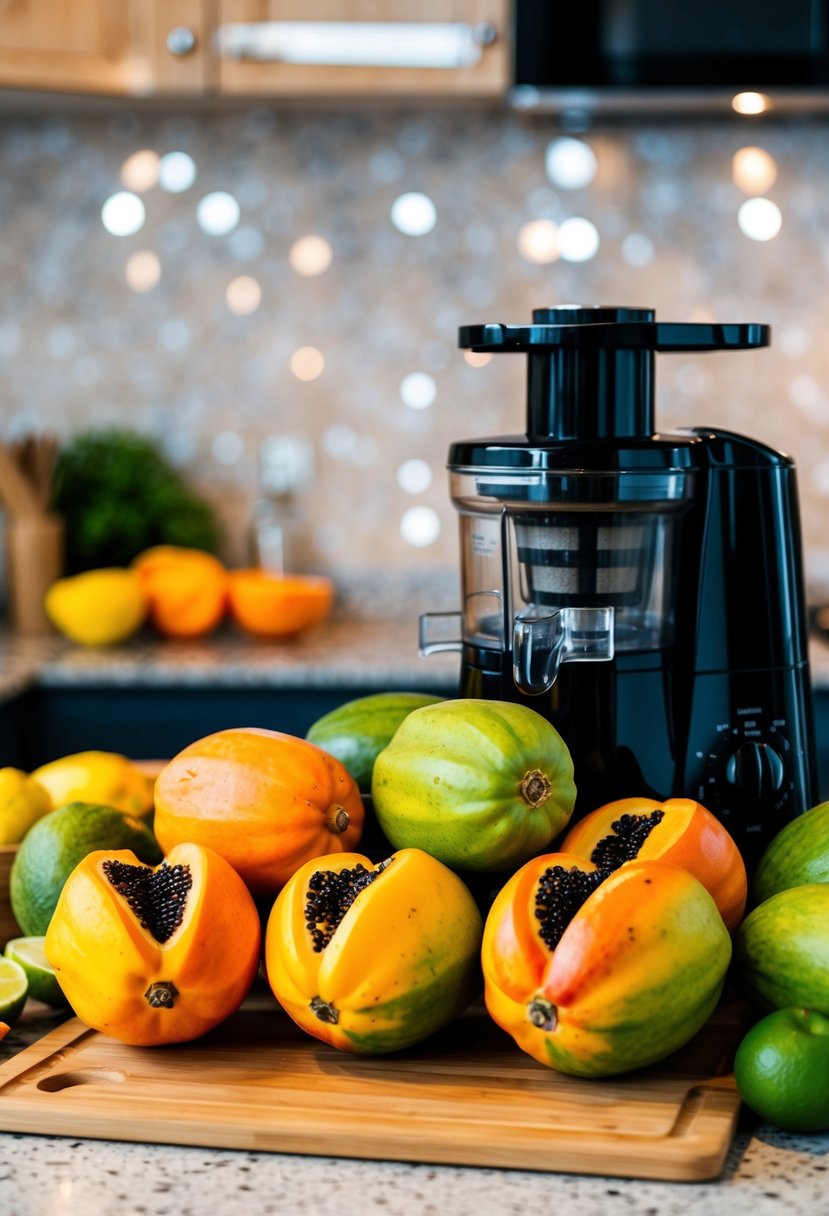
(439, 632)
(543, 640)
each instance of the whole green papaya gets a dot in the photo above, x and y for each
(481, 785)
(798, 854)
(781, 951)
(356, 732)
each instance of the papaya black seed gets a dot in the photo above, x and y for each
(628, 834)
(157, 897)
(330, 894)
(559, 895)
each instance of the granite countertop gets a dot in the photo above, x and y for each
(347, 652)
(767, 1172)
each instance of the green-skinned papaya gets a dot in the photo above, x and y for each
(798, 855)
(781, 950)
(481, 785)
(356, 732)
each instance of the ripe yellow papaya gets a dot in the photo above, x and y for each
(596, 973)
(154, 955)
(104, 778)
(372, 959)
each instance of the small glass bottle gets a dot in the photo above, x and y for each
(286, 467)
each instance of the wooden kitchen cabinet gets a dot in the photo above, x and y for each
(256, 48)
(254, 37)
(122, 47)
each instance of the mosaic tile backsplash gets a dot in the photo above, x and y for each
(281, 289)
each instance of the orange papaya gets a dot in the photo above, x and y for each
(679, 831)
(266, 801)
(186, 590)
(153, 955)
(596, 973)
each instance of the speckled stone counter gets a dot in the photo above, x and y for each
(345, 652)
(767, 1172)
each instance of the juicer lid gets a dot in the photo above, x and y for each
(591, 370)
(601, 327)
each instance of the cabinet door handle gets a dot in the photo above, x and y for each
(181, 41)
(379, 44)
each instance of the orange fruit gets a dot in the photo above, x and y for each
(273, 606)
(782, 1070)
(186, 590)
(265, 801)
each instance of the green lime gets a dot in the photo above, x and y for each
(43, 984)
(782, 1070)
(54, 846)
(14, 988)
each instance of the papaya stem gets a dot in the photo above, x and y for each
(535, 787)
(161, 995)
(542, 1014)
(324, 1011)
(336, 818)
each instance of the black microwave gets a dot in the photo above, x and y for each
(634, 54)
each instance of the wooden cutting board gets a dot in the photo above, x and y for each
(466, 1097)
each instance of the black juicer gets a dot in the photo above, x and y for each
(642, 590)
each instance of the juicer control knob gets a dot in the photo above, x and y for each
(756, 770)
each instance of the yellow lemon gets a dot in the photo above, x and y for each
(104, 778)
(22, 802)
(97, 608)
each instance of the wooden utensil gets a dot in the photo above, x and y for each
(34, 537)
(36, 455)
(17, 492)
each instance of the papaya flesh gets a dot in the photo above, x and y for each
(372, 959)
(679, 831)
(154, 955)
(595, 974)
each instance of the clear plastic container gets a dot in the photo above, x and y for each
(535, 543)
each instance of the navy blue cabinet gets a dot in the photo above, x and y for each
(153, 723)
(148, 723)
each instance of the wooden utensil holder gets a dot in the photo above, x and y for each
(34, 559)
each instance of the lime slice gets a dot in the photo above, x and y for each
(43, 984)
(14, 988)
